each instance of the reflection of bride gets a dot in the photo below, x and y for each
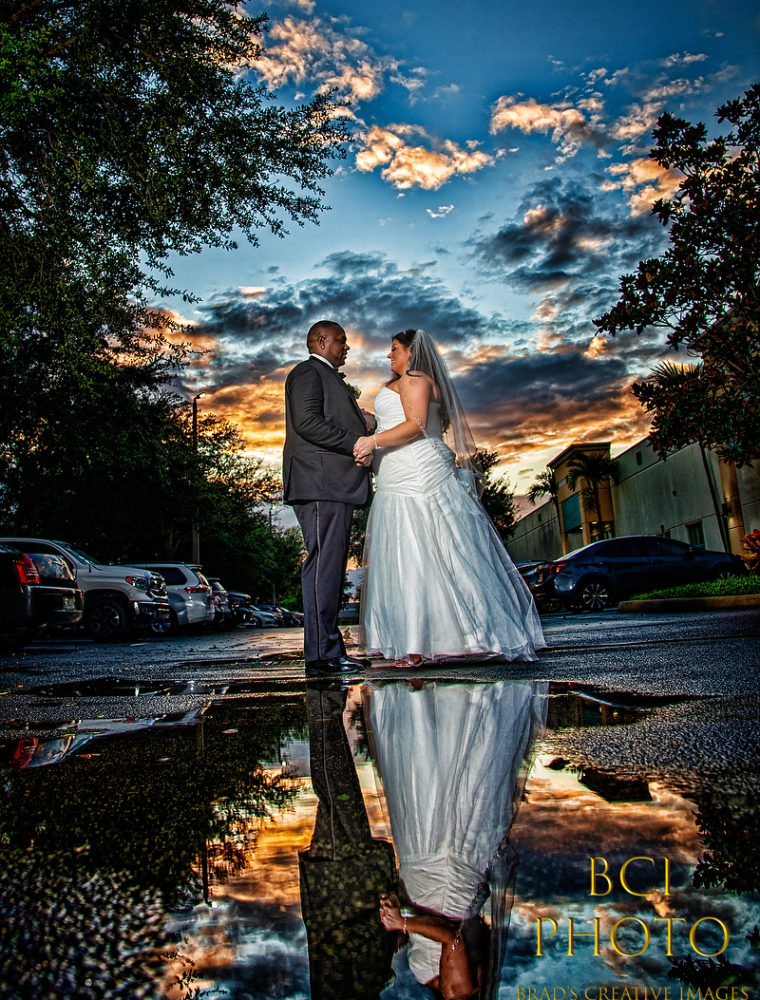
(453, 758)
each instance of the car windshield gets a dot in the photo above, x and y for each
(77, 552)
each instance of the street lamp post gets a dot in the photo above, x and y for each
(196, 542)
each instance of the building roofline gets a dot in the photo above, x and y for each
(580, 446)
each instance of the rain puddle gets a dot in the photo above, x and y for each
(277, 844)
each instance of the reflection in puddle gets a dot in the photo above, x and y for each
(32, 751)
(656, 846)
(243, 851)
(451, 760)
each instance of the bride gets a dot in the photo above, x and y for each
(438, 581)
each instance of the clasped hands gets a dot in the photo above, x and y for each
(364, 445)
(363, 449)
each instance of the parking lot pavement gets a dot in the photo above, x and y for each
(699, 675)
(711, 652)
(72, 678)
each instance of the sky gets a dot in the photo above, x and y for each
(496, 188)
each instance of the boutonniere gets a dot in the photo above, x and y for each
(354, 390)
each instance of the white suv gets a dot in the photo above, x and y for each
(189, 594)
(117, 599)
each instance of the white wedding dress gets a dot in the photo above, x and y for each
(453, 759)
(437, 578)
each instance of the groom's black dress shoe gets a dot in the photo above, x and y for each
(337, 665)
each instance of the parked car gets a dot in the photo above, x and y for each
(189, 594)
(530, 572)
(603, 572)
(283, 616)
(526, 568)
(240, 605)
(349, 613)
(117, 599)
(270, 609)
(264, 619)
(223, 617)
(36, 593)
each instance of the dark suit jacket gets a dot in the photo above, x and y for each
(322, 423)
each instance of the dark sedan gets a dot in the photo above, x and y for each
(604, 572)
(36, 592)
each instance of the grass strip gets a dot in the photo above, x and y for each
(728, 587)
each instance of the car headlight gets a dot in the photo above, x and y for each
(138, 582)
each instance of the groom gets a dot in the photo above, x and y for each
(323, 484)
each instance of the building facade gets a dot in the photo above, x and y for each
(691, 496)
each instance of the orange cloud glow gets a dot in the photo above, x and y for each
(258, 409)
(646, 182)
(415, 166)
(531, 438)
(559, 810)
(566, 123)
(298, 51)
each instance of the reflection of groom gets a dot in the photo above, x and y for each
(345, 871)
(323, 485)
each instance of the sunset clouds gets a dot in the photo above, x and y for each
(405, 165)
(644, 181)
(521, 399)
(496, 187)
(568, 127)
(322, 54)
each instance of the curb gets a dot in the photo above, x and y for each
(737, 601)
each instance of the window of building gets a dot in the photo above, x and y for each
(639, 458)
(571, 512)
(696, 534)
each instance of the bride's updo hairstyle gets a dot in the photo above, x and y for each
(425, 359)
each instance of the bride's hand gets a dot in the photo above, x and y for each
(364, 447)
(390, 916)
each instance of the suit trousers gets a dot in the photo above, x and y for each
(326, 527)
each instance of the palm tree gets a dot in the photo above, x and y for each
(545, 486)
(592, 469)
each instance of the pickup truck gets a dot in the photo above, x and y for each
(117, 599)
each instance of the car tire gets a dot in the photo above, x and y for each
(593, 594)
(170, 627)
(107, 620)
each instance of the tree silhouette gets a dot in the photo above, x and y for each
(545, 485)
(498, 496)
(705, 289)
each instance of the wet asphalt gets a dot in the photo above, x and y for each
(690, 682)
